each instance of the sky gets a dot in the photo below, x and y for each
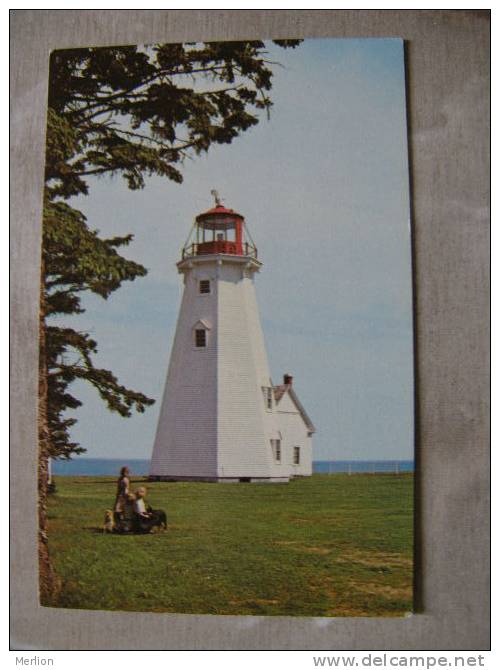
(324, 188)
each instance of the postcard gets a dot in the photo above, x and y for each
(226, 414)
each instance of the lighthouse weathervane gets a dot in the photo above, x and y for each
(222, 418)
(217, 198)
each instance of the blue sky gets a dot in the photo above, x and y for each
(323, 186)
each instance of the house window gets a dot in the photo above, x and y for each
(276, 447)
(200, 338)
(296, 455)
(268, 396)
(204, 286)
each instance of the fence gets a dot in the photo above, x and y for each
(367, 467)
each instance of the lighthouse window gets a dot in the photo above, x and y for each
(276, 447)
(200, 338)
(268, 396)
(204, 285)
(296, 455)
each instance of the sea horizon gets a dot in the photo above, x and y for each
(89, 466)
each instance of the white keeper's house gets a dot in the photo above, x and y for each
(222, 419)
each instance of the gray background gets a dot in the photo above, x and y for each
(448, 78)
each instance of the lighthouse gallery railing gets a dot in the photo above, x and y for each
(217, 247)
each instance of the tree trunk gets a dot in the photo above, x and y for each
(46, 572)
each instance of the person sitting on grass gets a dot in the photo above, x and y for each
(146, 517)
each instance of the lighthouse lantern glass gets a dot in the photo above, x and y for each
(220, 231)
(219, 235)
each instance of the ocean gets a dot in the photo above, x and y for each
(140, 466)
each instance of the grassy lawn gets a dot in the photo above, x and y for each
(327, 545)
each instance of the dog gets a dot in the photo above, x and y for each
(109, 522)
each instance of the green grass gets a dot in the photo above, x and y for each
(327, 545)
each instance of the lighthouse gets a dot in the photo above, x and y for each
(222, 419)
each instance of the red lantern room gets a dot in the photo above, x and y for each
(219, 231)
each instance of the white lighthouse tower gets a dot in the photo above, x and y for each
(221, 418)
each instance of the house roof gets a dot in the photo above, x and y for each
(279, 392)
